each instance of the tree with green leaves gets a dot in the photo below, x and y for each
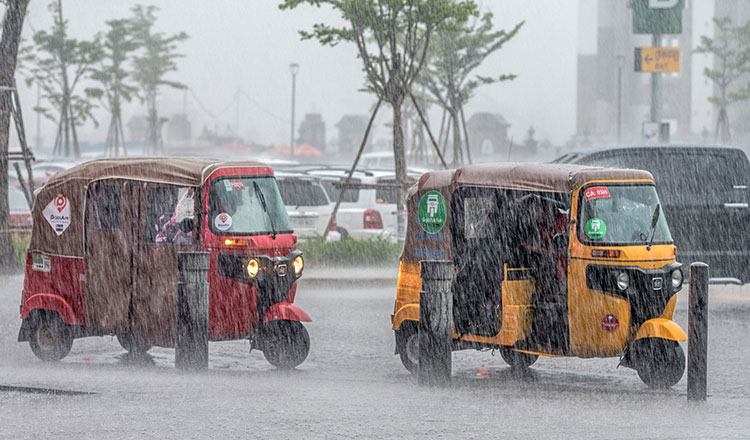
(392, 38)
(59, 64)
(118, 45)
(730, 48)
(455, 52)
(15, 11)
(156, 58)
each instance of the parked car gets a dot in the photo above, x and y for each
(20, 214)
(366, 212)
(307, 205)
(378, 160)
(383, 160)
(704, 193)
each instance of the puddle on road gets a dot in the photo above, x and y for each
(44, 391)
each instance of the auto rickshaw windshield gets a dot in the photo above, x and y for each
(247, 206)
(622, 215)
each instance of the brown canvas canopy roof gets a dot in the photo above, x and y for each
(559, 178)
(527, 176)
(73, 184)
(172, 170)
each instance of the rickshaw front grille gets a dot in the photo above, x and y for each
(647, 296)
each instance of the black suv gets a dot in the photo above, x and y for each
(704, 194)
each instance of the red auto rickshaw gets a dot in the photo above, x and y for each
(103, 256)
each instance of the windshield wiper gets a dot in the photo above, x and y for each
(654, 220)
(262, 199)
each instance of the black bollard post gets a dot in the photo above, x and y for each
(191, 330)
(435, 323)
(697, 332)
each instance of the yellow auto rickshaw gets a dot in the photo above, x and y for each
(549, 260)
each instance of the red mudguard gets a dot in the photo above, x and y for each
(49, 302)
(286, 311)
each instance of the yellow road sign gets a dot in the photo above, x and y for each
(657, 59)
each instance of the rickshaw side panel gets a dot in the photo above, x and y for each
(586, 310)
(231, 304)
(517, 311)
(59, 287)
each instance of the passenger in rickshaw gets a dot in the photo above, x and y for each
(542, 236)
(543, 228)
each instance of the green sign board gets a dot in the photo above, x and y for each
(657, 16)
(432, 212)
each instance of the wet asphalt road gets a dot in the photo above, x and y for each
(353, 386)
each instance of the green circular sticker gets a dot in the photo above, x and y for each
(595, 228)
(432, 212)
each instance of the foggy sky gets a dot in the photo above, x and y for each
(249, 44)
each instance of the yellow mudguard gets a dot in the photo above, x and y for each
(409, 312)
(661, 328)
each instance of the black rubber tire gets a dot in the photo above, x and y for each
(660, 363)
(285, 344)
(517, 359)
(408, 345)
(132, 343)
(50, 338)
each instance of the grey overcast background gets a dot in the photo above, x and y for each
(250, 43)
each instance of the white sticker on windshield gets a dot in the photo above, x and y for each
(223, 221)
(57, 213)
(234, 185)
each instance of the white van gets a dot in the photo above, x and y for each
(307, 205)
(364, 213)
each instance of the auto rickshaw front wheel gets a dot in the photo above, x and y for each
(50, 338)
(660, 363)
(285, 343)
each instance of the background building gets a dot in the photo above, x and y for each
(739, 113)
(312, 131)
(611, 23)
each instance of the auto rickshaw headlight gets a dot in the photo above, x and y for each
(298, 265)
(253, 267)
(623, 280)
(676, 279)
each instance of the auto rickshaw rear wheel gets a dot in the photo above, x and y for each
(285, 344)
(407, 340)
(660, 363)
(516, 359)
(50, 338)
(132, 343)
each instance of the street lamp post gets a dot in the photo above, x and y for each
(293, 69)
(620, 65)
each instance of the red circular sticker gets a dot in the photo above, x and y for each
(60, 202)
(610, 323)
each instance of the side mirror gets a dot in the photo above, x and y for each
(187, 225)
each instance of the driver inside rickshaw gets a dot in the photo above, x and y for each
(543, 225)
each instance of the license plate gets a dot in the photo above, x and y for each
(302, 222)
